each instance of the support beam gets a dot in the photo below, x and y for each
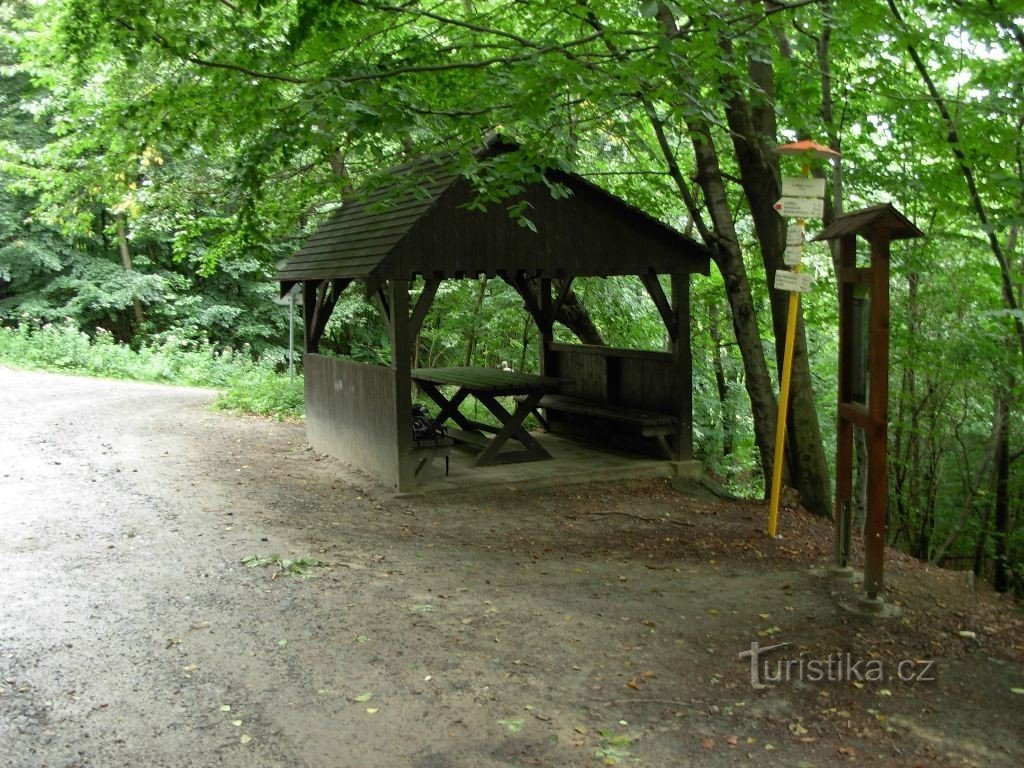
(383, 299)
(423, 303)
(319, 299)
(657, 294)
(521, 285)
(563, 287)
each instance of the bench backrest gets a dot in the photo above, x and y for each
(628, 377)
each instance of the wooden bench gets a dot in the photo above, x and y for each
(426, 449)
(647, 423)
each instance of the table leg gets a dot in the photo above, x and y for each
(512, 426)
(449, 408)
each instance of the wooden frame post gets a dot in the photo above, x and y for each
(878, 416)
(847, 261)
(396, 298)
(879, 225)
(683, 354)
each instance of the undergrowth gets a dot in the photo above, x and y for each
(246, 385)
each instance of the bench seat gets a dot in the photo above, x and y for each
(649, 423)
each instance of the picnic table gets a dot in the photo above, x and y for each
(486, 385)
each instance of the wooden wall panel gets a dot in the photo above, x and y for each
(351, 414)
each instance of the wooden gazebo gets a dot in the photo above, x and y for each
(420, 228)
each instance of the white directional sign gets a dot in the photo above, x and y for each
(795, 234)
(802, 186)
(801, 207)
(792, 255)
(792, 281)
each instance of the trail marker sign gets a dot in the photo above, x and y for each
(802, 186)
(801, 207)
(792, 281)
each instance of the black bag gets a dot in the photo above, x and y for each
(423, 428)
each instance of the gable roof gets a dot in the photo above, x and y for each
(420, 224)
(862, 222)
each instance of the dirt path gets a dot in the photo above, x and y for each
(576, 627)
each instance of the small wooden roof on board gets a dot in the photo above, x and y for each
(420, 225)
(862, 222)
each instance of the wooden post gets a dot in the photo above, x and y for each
(682, 352)
(878, 415)
(397, 294)
(546, 328)
(847, 260)
(879, 225)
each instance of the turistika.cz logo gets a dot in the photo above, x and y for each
(834, 668)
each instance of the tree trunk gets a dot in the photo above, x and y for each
(1001, 523)
(723, 390)
(753, 129)
(721, 239)
(729, 260)
(126, 260)
(477, 307)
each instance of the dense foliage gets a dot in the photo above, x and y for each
(159, 157)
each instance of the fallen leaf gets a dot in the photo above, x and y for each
(225, 707)
(372, 710)
(245, 738)
(1018, 691)
(363, 697)
(236, 723)
(708, 743)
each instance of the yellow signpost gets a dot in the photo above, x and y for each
(801, 198)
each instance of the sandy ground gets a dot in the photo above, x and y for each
(586, 626)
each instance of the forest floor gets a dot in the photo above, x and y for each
(577, 626)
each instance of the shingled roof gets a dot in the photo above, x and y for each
(420, 224)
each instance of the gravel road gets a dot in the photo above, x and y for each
(509, 629)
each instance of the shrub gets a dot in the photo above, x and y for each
(250, 386)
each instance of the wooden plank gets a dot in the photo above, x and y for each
(490, 380)
(350, 413)
(855, 413)
(512, 426)
(593, 349)
(472, 438)
(634, 416)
